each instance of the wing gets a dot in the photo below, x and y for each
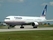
(49, 20)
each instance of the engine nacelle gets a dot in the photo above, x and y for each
(35, 23)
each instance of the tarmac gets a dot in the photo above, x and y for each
(26, 28)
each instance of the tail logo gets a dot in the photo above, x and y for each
(44, 11)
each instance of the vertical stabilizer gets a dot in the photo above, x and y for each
(44, 11)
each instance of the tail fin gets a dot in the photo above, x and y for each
(44, 11)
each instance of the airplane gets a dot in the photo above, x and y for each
(12, 21)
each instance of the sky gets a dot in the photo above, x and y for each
(25, 8)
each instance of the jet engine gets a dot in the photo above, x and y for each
(35, 24)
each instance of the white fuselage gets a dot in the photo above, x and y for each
(23, 19)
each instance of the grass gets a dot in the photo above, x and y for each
(27, 35)
(3, 27)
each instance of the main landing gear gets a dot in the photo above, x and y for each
(22, 26)
(34, 26)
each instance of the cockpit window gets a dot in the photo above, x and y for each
(18, 17)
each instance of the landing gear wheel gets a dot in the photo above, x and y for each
(21, 26)
(34, 26)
